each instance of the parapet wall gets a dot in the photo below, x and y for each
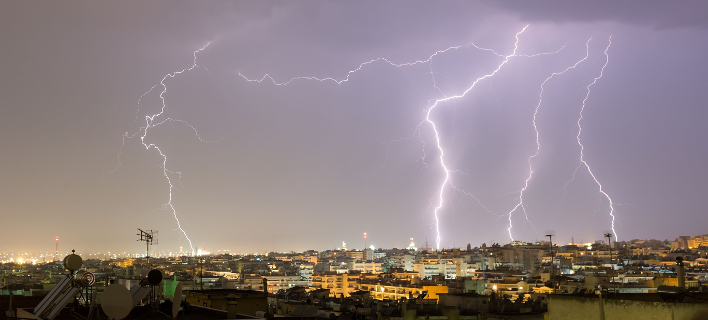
(567, 307)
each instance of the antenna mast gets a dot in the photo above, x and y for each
(149, 238)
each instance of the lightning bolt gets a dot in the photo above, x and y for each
(387, 61)
(431, 106)
(152, 121)
(437, 135)
(538, 144)
(582, 148)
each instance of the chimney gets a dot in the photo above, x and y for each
(681, 273)
(265, 286)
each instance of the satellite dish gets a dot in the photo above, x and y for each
(154, 277)
(73, 262)
(177, 300)
(116, 301)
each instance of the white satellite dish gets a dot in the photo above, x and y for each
(177, 300)
(116, 301)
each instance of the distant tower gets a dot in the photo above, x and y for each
(344, 246)
(412, 246)
(56, 248)
(427, 246)
(364, 240)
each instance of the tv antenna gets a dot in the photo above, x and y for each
(150, 238)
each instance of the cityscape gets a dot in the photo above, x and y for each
(349, 160)
(518, 280)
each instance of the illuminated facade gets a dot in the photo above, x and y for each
(366, 266)
(406, 290)
(337, 284)
(427, 270)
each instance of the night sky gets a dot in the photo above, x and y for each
(259, 167)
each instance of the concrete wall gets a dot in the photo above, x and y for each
(566, 307)
(245, 305)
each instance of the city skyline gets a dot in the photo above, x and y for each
(156, 252)
(298, 126)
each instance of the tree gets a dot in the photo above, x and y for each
(469, 247)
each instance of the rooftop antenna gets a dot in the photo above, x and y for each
(150, 238)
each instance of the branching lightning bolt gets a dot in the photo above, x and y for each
(152, 122)
(362, 65)
(431, 106)
(582, 148)
(397, 65)
(437, 135)
(538, 144)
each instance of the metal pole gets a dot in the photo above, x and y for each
(609, 242)
(550, 237)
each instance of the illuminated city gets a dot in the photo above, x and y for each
(393, 160)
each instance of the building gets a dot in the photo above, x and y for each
(397, 290)
(337, 283)
(427, 269)
(306, 271)
(247, 301)
(368, 266)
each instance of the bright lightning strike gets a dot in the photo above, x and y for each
(582, 148)
(437, 135)
(448, 178)
(346, 79)
(152, 121)
(538, 144)
(397, 65)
